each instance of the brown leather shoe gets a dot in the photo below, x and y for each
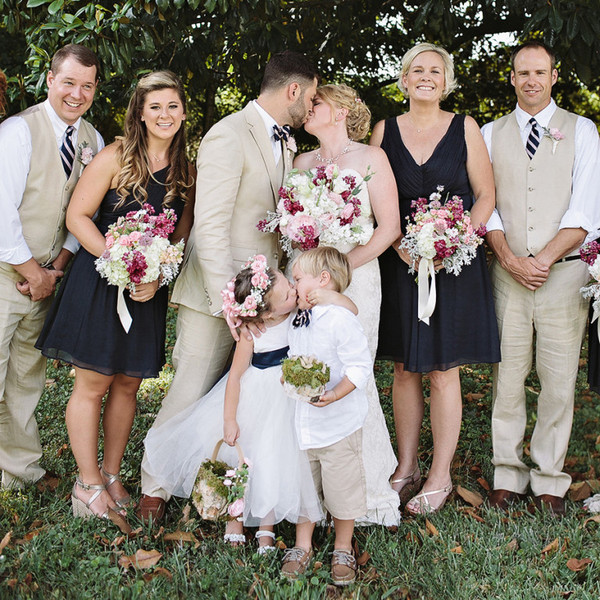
(502, 499)
(150, 507)
(295, 562)
(555, 504)
(343, 568)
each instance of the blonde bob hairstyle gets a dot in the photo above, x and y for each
(325, 258)
(450, 83)
(358, 120)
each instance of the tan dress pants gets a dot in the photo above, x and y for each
(22, 379)
(556, 314)
(201, 351)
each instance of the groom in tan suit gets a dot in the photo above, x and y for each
(241, 164)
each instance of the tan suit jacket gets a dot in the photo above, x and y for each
(238, 182)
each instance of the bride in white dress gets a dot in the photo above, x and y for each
(339, 119)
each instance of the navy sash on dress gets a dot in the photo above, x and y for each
(273, 358)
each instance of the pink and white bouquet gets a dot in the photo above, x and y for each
(439, 232)
(319, 207)
(589, 255)
(138, 250)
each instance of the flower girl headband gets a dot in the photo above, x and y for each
(261, 282)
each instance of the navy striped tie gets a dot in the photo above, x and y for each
(67, 151)
(533, 141)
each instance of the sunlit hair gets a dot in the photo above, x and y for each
(133, 151)
(358, 120)
(450, 83)
(3, 86)
(243, 287)
(536, 45)
(288, 67)
(325, 258)
(82, 54)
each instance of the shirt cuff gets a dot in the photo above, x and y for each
(573, 219)
(71, 244)
(357, 375)
(495, 222)
(16, 256)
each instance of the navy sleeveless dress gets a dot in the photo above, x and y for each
(593, 354)
(463, 328)
(82, 327)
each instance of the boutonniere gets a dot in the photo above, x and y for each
(291, 144)
(85, 153)
(555, 135)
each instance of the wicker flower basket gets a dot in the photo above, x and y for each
(210, 494)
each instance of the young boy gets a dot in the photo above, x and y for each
(330, 430)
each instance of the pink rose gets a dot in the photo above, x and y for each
(556, 134)
(347, 211)
(327, 219)
(250, 303)
(110, 241)
(235, 509)
(336, 198)
(329, 170)
(134, 236)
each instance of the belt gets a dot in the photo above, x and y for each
(563, 259)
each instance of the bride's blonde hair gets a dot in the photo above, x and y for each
(132, 153)
(358, 120)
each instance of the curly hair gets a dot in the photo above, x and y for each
(133, 151)
(243, 288)
(3, 86)
(358, 120)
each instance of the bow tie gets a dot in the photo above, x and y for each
(281, 133)
(302, 319)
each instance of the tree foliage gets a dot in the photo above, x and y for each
(218, 44)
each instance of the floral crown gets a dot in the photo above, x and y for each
(261, 282)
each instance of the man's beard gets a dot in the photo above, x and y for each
(297, 112)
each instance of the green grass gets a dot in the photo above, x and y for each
(461, 553)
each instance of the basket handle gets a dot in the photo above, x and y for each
(237, 447)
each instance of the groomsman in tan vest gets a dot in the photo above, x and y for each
(546, 170)
(241, 164)
(41, 152)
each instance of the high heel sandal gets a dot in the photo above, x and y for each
(122, 502)
(412, 483)
(420, 505)
(267, 547)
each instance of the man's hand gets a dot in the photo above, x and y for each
(527, 271)
(41, 284)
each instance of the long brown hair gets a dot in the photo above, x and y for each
(133, 152)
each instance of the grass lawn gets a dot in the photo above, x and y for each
(465, 552)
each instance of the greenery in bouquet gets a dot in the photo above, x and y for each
(219, 490)
(306, 374)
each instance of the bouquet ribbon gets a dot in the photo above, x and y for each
(122, 310)
(426, 290)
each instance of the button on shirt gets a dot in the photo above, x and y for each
(15, 150)
(336, 338)
(269, 121)
(584, 207)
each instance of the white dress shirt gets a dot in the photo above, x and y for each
(584, 207)
(269, 121)
(15, 150)
(335, 336)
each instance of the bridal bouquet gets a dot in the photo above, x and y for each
(589, 255)
(304, 377)
(439, 232)
(138, 250)
(319, 207)
(219, 489)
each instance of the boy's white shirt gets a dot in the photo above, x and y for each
(335, 336)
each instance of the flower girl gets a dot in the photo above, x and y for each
(249, 406)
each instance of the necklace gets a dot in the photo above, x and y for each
(156, 157)
(330, 161)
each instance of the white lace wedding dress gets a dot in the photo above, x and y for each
(378, 455)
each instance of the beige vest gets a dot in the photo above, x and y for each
(47, 191)
(532, 195)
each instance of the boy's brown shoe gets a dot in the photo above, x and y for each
(295, 562)
(343, 567)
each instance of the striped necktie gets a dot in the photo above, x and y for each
(67, 151)
(533, 141)
(281, 133)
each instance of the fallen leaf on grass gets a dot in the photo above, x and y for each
(118, 541)
(370, 575)
(317, 565)
(471, 512)
(484, 484)
(431, 528)
(239, 562)
(47, 484)
(576, 564)
(580, 491)
(142, 559)
(457, 550)
(595, 519)
(513, 545)
(551, 547)
(280, 545)
(158, 572)
(412, 537)
(471, 396)
(5, 541)
(363, 559)
(182, 536)
(473, 498)
(50, 382)
(185, 514)
(30, 535)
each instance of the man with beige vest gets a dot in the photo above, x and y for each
(241, 164)
(545, 162)
(41, 163)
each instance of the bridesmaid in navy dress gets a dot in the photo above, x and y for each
(147, 165)
(427, 148)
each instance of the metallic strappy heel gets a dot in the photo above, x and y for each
(123, 502)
